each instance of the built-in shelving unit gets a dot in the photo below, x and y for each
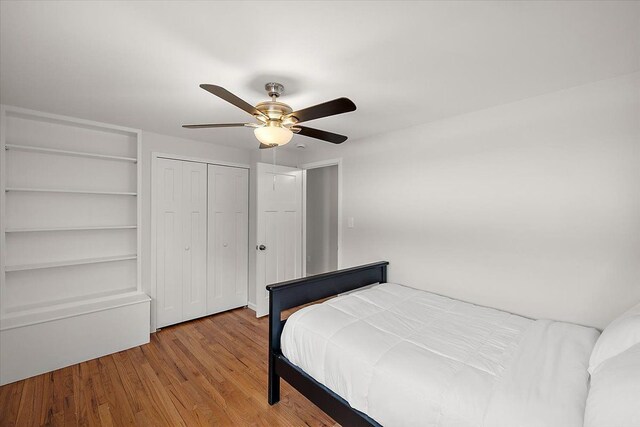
(70, 241)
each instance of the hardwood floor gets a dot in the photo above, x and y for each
(210, 371)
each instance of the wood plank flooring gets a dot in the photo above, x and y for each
(207, 372)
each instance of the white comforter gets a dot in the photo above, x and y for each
(411, 358)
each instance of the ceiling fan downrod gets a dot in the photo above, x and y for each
(274, 90)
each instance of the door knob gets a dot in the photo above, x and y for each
(186, 248)
(262, 247)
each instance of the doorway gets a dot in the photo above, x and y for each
(321, 218)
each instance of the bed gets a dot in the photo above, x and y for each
(391, 355)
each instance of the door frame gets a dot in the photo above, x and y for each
(151, 289)
(316, 165)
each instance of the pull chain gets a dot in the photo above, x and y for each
(274, 168)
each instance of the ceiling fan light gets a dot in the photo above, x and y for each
(273, 135)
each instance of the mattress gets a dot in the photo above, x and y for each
(407, 357)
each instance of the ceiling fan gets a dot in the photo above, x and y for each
(276, 121)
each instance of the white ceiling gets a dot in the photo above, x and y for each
(139, 64)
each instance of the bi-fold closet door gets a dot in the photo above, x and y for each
(181, 268)
(228, 242)
(201, 239)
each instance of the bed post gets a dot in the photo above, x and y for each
(275, 330)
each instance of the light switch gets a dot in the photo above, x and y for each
(350, 222)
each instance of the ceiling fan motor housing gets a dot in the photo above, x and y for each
(273, 109)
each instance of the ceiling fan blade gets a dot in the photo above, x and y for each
(216, 125)
(334, 138)
(263, 146)
(326, 109)
(221, 92)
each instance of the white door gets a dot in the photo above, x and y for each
(228, 238)
(168, 192)
(279, 229)
(194, 240)
(180, 189)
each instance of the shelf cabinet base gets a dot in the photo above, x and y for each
(43, 346)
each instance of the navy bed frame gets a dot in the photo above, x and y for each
(293, 293)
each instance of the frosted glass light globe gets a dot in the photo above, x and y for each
(273, 135)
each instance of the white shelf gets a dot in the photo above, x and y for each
(34, 149)
(107, 227)
(24, 317)
(64, 302)
(22, 267)
(53, 190)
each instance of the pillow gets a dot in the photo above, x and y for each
(614, 395)
(621, 334)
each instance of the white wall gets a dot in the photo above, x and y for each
(152, 142)
(322, 219)
(531, 207)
